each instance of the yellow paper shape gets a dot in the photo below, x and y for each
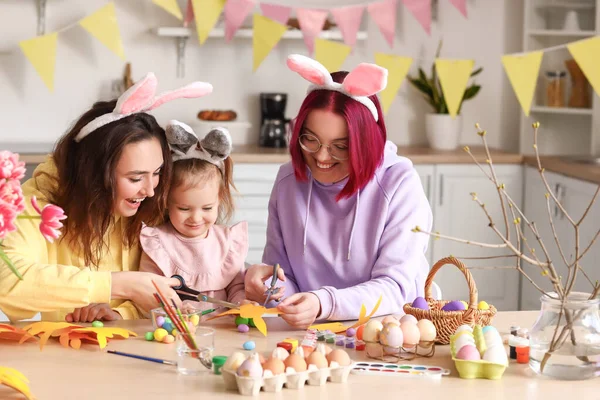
(265, 35)
(454, 76)
(41, 53)
(251, 311)
(331, 54)
(206, 14)
(72, 334)
(397, 67)
(337, 327)
(9, 332)
(16, 380)
(522, 71)
(171, 7)
(587, 55)
(103, 26)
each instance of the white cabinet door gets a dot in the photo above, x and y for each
(427, 174)
(457, 215)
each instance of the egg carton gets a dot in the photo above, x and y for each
(476, 369)
(290, 379)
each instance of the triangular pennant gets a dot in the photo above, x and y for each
(236, 12)
(348, 20)
(189, 13)
(311, 22)
(41, 53)
(206, 14)
(397, 67)
(454, 76)
(277, 13)
(421, 10)
(384, 15)
(171, 7)
(265, 35)
(522, 71)
(461, 5)
(587, 55)
(103, 26)
(331, 54)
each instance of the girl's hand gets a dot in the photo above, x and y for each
(254, 282)
(300, 309)
(246, 301)
(137, 287)
(93, 312)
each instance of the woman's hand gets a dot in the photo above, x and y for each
(301, 309)
(93, 312)
(254, 282)
(138, 287)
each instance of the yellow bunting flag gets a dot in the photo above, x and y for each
(397, 67)
(206, 14)
(41, 53)
(522, 71)
(266, 34)
(103, 26)
(454, 76)
(171, 7)
(331, 54)
(587, 55)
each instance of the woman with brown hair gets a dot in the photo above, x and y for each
(110, 174)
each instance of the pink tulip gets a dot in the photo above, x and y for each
(7, 219)
(10, 166)
(11, 193)
(51, 217)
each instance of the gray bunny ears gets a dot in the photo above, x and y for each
(215, 147)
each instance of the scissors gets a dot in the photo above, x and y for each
(272, 289)
(186, 293)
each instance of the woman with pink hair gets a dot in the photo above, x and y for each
(341, 213)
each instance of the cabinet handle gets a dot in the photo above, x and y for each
(441, 189)
(429, 187)
(557, 192)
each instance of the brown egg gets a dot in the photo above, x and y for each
(317, 359)
(340, 357)
(275, 365)
(297, 362)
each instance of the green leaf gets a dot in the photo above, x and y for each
(476, 72)
(422, 75)
(10, 264)
(471, 92)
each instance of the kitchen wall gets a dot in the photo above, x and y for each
(85, 69)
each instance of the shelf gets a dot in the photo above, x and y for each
(568, 5)
(224, 124)
(247, 33)
(560, 33)
(561, 110)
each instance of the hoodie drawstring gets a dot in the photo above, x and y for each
(353, 223)
(310, 186)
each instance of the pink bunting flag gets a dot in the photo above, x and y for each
(461, 5)
(421, 10)
(311, 22)
(189, 14)
(236, 12)
(277, 13)
(348, 20)
(384, 15)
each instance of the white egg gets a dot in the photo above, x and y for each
(463, 340)
(492, 337)
(496, 354)
(463, 328)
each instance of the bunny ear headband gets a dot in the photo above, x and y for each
(185, 144)
(141, 98)
(363, 81)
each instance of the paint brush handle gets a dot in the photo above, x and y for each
(212, 300)
(139, 357)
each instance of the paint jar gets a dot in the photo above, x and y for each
(198, 360)
(555, 88)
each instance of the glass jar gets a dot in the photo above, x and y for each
(567, 337)
(555, 88)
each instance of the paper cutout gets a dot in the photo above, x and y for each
(9, 332)
(74, 335)
(16, 380)
(421, 10)
(265, 36)
(331, 54)
(522, 71)
(189, 14)
(103, 26)
(348, 20)
(170, 6)
(397, 67)
(384, 15)
(311, 23)
(454, 76)
(587, 55)
(461, 5)
(278, 13)
(337, 327)
(41, 53)
(251, 311)
(206, 14)
(236, 12)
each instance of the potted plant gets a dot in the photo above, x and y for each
(441, 129)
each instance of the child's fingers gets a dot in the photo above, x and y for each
(69, 317)
(75, 314)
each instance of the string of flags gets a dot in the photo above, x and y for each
(270, 26)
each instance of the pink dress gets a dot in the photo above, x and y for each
(213, 265)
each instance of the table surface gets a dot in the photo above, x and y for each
(89, 373)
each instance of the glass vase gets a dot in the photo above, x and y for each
(565, 339)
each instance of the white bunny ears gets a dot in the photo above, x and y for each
(215, 147)
(363, 81)
(141, 98)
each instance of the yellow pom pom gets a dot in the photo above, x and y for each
(169, 339)
(483, 305)
(160, 334)
(465, 304)
(195, 319)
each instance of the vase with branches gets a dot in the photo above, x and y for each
(565, 340)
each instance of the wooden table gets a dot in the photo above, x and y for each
(59, 373)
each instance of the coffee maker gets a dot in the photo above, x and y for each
(273, 126)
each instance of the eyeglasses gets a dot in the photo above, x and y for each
(312, 144)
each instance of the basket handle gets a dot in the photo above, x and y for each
(473, 294)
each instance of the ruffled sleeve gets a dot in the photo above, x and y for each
(155, 258)
(236, 256)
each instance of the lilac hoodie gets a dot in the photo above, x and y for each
(352, 251)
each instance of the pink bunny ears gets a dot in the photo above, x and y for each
(363, 81)
(141, 98)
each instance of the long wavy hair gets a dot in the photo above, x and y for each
(87, 183)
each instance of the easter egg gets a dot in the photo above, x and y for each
(464, 340)
(296, 361)
(483, 305)
(280, 353)
(317, 359)
(275, 365)
(359, 332)
(468, 352)
(195, 319)
(371, 332)
(464, 304)
(411, 334)
(427, 330)
(454, 306)
(496, 354)
(420, 303)
(390, 319)
(249, 345)
(391, 335)
(251, 323)
(408, 319)
(351, 332)
(167, 326)
(149, 336)
(243, 328)
(160, 334)
(168, 320)
(339, 356)
(250, 368)
(97, 324)
(463, 328)
(234, 361)
(488, 328)
(169, 339)
(160, 320)
(239, 320)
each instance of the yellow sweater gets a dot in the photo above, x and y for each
(55, 279)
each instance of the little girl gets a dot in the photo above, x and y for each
(193, 243)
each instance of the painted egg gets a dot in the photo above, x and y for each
(351, 332)
(250, 368)
(391, 335)
(275, 365)
(339, 356)
(463, 341)
(488, 328)
(483, 305)
(359, 332)
(371, 331)
(454, 306)
(296, 361)
(408, 319)
(464, 303)
(496, 354)
(234, 361)
(468, 352)
(317, 359)
(411, 334)
(280, 353)
(390, 319)
(427, 330)
(420, 303)
(492, 337)
(463, 328)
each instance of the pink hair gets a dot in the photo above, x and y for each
(366, 138)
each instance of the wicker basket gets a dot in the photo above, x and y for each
(446, 322)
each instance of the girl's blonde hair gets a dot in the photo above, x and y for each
(190, 172)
